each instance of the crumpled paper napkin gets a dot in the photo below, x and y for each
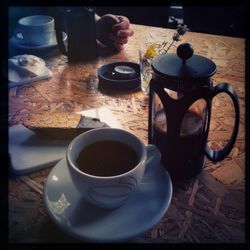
(24, 69)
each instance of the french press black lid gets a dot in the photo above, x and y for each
(184, 66)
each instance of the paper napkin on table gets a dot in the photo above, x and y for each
(25, 69)
(104, 114)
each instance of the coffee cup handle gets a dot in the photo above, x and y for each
(153, 154)
(223, 153)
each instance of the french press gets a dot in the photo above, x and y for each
(180, 104)
(79, 25)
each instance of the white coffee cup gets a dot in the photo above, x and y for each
(109, 191)
(35, 30)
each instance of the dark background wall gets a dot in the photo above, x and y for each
(216, 19)
(222, 20)
(146, 15)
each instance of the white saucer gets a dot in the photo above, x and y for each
(52, 44)
(80, 219)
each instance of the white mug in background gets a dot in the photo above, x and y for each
(35, 30)
(113, 190)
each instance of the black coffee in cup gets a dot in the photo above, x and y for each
(107, 158)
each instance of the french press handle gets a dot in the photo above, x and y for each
(223, 153)
(59, 27)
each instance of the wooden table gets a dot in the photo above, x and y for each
(206, 210)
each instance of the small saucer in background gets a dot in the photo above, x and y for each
(121, 75)
(53, 43)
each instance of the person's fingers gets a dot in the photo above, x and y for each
(110, 19)
(122, 18)
(117, 39)
(118, 46)
(114, 30)
(125, 33)
(123, 24)
(116, 18)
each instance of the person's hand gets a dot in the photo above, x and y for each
(113, 30)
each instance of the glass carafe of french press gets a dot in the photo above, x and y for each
(180, 99)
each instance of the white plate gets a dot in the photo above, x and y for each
(75, 216)
(30, 153)
(52, 44)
